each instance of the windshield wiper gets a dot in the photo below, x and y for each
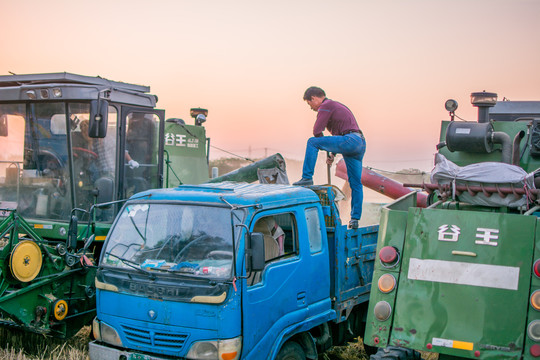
(137, 229)
(134, 265)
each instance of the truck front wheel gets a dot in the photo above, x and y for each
(291, 350)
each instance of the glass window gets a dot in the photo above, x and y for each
(44, 183)
(280, 239)
(172, 238)
(94, 160)
(142, 131)
(314, 230)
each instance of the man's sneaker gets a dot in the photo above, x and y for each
(353, 224)
(304, 182)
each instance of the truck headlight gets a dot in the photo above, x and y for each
(216, 349)
(108, 334)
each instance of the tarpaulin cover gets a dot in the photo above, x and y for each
(486, 174)
(272, 176)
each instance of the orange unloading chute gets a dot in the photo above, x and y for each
(382, 184)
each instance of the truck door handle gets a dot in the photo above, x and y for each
(301, 298)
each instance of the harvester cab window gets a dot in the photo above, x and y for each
(94, 160)
(141, 152)
(12, 124)
(44, 180)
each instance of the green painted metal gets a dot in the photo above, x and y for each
(393, 223)
(491, 320)
(427, 310)
(186, 146)
(64, 274)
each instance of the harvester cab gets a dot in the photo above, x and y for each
(70, 141)
(72, 147)
(458, 277)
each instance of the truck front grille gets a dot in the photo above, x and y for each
(144, 338)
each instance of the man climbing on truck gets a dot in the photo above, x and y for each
(347, 139)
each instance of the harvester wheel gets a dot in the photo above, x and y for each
(395, 353)
(60, 309)
(25, 261)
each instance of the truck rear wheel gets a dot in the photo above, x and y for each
(291, 350)
(395, 353)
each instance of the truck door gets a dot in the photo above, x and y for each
(142, 154)
(281, 295)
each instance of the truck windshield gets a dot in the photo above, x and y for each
(172, 238)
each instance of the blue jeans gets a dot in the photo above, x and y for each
(352, 146)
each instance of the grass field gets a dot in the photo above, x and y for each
(17, 345)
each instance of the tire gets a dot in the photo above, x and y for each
(370, 350)
(291, 350)
(395, 353)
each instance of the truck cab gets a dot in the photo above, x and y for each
(231, 271)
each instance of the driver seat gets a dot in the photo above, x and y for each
(271, 248)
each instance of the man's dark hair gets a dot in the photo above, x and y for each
(314, 91)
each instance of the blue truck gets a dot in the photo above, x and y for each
(231, 271)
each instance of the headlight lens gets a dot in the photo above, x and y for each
(110, 335)
(216, 349)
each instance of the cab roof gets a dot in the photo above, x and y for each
(67, 78)
(38, 87)
(234, 193)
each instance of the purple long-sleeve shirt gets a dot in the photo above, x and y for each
(335, 117)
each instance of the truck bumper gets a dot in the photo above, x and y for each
(101, 352)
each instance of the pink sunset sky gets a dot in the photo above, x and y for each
(393, 63)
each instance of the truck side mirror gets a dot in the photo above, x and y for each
(256, 245)
(104, 188)
(72, 233)
(99, 112)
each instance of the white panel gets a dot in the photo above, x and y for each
(453, 272)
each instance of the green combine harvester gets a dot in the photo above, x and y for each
(72, 148)
(461, 277)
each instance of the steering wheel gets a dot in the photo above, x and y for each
(84, 152)
(189, 246)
